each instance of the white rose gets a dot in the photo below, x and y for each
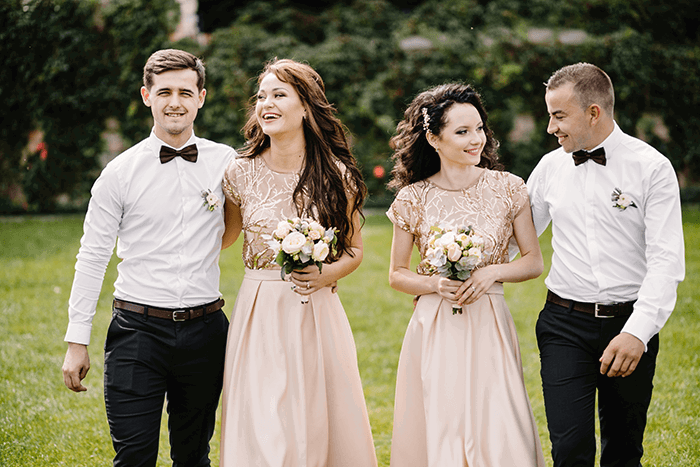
(315, 226)
(445, 240)
(624, 201)
(475, 252)
(315, 235)
(212, 199)
(320, 252)
(454, 252)
(293, 242)
(283, 228)
(462, 238)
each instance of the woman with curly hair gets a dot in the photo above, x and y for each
(460, 394)
(292, 391)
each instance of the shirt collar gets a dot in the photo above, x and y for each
(154, 143)
(611, 142)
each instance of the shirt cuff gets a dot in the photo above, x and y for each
(78, 333)
(640, 327)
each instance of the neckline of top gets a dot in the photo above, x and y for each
(463, 189)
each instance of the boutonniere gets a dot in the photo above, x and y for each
(211, 201)
(622, 201)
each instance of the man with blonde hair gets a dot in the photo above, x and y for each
(167, 338)
(618, 257)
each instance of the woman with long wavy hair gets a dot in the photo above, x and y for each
(292, 391)
(460, 395)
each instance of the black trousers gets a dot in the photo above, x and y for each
(149, 359)
(571, 344)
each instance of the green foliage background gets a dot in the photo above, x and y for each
(70, 65)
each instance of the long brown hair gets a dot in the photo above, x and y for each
(414, 158)
(323, 184)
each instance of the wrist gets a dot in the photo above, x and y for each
(435, 283)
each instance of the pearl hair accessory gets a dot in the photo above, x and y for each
(426, 119)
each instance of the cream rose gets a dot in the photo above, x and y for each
(462, 238)
(624, 201)
(283, 228)
(445, 240)
(454, 252)
(475, 252)
(212, 199)
(320, 252)
(293, 242)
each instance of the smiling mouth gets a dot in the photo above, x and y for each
(173, 114)
(269, 117)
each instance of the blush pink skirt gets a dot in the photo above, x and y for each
(292, 393)
(460, 394)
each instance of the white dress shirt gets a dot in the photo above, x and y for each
(168, 240)
(604, 254)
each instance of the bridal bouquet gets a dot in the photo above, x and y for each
(453, 252)
(300, 242)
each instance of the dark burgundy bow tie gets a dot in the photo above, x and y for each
(597, 156)
(189, 153)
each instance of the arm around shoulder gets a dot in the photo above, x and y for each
(233, 224)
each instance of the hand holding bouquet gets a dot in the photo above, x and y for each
(454, 252)
(300, 242)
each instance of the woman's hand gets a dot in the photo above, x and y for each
(308, 280)
(447, 288)
(477, 285)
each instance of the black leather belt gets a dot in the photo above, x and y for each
(181, 314)
(596, 309)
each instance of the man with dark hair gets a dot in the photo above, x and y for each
(618, 257)
(162, 201)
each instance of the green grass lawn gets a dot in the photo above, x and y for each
(44, 424)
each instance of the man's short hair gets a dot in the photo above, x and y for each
(591, 85)
(169, 60)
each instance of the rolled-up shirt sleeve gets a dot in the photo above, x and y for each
(665, 256)
(96, 246)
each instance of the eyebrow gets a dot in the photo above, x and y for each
(168, 88)
(274, 89)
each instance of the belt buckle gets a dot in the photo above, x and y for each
(601, 316)
(181, 317)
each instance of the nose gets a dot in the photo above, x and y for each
(174, 101)
(552, 126)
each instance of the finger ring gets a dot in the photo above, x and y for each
(473, 288)
(294, 287)
(307, 285)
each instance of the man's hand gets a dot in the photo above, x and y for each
(76, 366)
(621, 356)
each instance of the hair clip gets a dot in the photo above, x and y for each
(426, 119)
